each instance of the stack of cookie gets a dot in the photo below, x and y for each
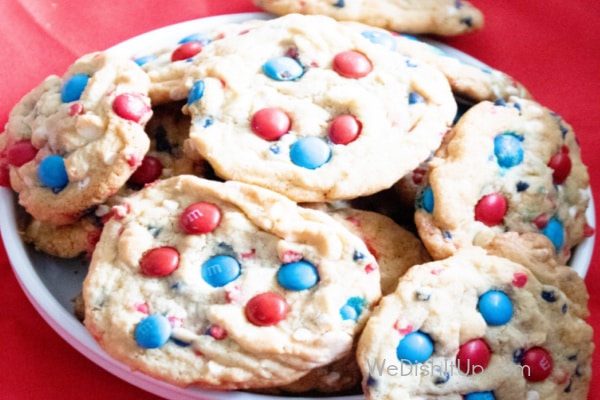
(306, 205)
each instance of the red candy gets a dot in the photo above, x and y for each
(186, 50)
(266, 309)
(21, 152)
(491, 209)
(199, 218)
(159, 262)
(352, 64)
(344, 129)
(270, 123)
(537, 364)
(561, 166)
(149, 170)
(473, 356)
(132, 107)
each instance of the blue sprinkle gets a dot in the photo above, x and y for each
(274, 148)
(352, 309)
(518, 356)
(411, 64)
(415, 98)
(380, 37)
(468, 21)
(52, 173)
(205, 122)
(155, 230)
(500, 103)
(181, 343)
(564, 308)
(201, 38)
(426, 201)
(578, 372)
(358, 255)
(196, 92)
(568, 388)
(423, 296)
(443, 378)
(143, 60)
(371, 381)
(549, 296)
(340, 4)
(522, 186)
(73, 88)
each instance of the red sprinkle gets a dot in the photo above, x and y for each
(418, 176)
(266, 309)
(403, 327)
(270, 123)
(249, 254)
(491, 209)
(541, 221)
(76, 109)
(588, 230)
(371, 267)
(352, 64)
(186, 50)
(200, 218)
(159, 262)
(142, 307)
(519, 279)
(217, 332)
(132, 107)
(290, 256)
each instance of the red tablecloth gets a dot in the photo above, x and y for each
(551, 46)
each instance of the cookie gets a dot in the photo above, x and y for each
(512, 166)
(63, 241)
(300, 104)
(475, 326)
(166, 67)
(395, 248)
(440, 17)
(226, 285)
(74, 140)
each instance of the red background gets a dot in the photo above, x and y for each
(550, 46)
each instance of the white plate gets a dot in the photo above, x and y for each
(51, 283)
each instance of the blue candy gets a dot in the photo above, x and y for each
(72, 89)
(283, 69)
(555, 232)
(416, 347)
(480, 396)
(220, 270)
(153, 331)
(196, 92)
(299, 275)
(53, 173)
(495, 307)
(508, 148)
(310, 152)
(380, 37)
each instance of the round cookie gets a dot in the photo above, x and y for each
(475, 326)
(395, 248)
(63, 241)
(304, 112)
(226, 285)
(512, 166)
(74, 140)
(441, 17)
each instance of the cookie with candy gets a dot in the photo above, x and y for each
(226, 285)
(476, 326)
